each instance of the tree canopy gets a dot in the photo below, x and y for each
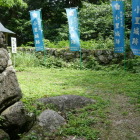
(95, 18)
(11, 3)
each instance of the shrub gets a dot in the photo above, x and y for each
(25, 60)
(92, 63)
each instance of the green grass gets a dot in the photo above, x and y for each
(22, 60)
(40, 82)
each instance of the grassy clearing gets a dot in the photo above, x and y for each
(40, 82)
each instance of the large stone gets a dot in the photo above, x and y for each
(110, 57)
(98, 52)
(4, 57)
(10, 91)
(67, 102)
(50, 120)
(47, 123)
(16, 119)
(68, 56)
(4, 135)
(109, 52)
(103, 59)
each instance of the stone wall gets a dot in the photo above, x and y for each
(102, 56)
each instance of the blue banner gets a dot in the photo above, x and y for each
(37, 29)
(135, 30)
(118, 18)
(74, 35)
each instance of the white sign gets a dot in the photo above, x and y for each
(14, 44)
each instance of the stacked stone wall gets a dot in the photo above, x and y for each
(102, 56)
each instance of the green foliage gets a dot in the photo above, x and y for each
(90, 44)
(11, 3)
(59, 44)
(97, 44)
(128, 17)
(95, 21)
(21, 60)
(81, 121)
(92, 63)
(23, 27)
(53, 62)
(133, 64)
(25, 60)
(62, 44)
(49, 44)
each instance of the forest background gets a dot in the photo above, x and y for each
(115, 90)
(95, 18)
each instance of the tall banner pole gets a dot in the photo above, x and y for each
(45, 51)
(135, 30)
(79, 40)
(119, 28)
(80, 59)
(37, 29)
(74, 34)
(124, 37)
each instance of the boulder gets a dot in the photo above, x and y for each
(103, 59)
(66, 102)
(47, 123)
(50, 120)
(4, 57)
(69, 56)
(116, 55)
(16, 119)
(10, 91)
(4, 135)
(98, 52)
(110, 57)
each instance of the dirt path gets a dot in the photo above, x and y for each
(124, 121)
